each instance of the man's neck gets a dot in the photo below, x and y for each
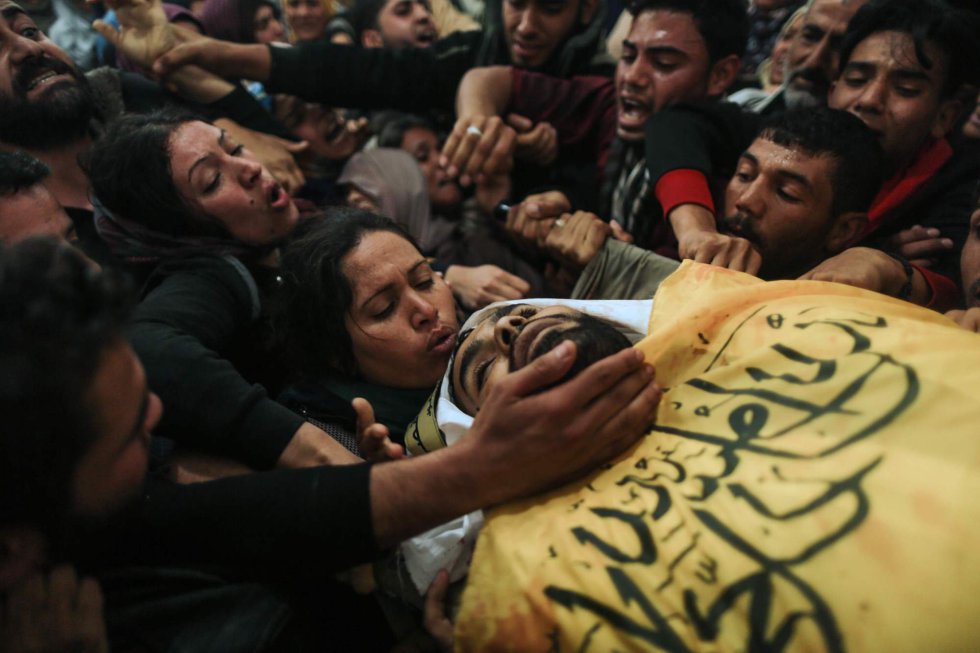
(68, 182)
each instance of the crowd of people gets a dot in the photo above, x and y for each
(241, 240)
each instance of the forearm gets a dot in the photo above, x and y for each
(484, 92)
(312, 521)
(408, 80)
(197, 85)
(411, 496)
(688, 219)
(311, 446)
(623, 271)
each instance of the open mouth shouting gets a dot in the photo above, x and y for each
(277, 197)
(39, 73)
(633, 114)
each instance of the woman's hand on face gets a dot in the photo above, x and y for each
(479, 286)
(372, 437)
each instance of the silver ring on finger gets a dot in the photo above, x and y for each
(474, 131)
(560, 222)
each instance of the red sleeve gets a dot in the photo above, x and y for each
(945, 292)
(684, 186)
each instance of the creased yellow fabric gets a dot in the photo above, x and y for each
(810, 484)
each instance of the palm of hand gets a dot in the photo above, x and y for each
(146, 33)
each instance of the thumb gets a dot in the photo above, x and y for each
(365, 413)
(542, 371)
(293, 146)
(110, 33)
(619, 233)
(519, 123)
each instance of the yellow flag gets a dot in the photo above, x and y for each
(810, 484)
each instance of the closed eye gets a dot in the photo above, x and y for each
(482, 371)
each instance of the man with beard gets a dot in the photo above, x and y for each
(676, 51)
(902, 62)
(52, 111)
(799, 195)
(193, 566)
(394, 24)
(812, 62)
(27, 207)
(513, 335)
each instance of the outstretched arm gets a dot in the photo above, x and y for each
(145, 34)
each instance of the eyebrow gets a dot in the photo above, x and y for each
(11, 10)
(466, 361)
(206, 157)
(782, 172)
(655, 49)
(389, 286)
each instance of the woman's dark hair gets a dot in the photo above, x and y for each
(246, 17)
(315, 296)
(129, 169)
(393, 132)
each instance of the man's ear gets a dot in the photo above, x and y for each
(722, 75)
(847, 228)
(946, 117)
(22, 553)
(371, 38)
(589, 7)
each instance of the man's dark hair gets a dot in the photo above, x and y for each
(58, 315)
(723, 24)
(838, 134)
(19, 171)
(953, 32)
(393, 132)
(315, 296)
(364, 14)
(129, 170)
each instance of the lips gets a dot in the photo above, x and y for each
(441, 340)
(524, 50)
(277, 196)
(41, 71)
(633, 112)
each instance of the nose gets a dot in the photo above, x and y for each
(22, 48)
(505, 331)
(750, 200)
(249, 171)
(423, 312)
(819, 58)
(872, 98)
(278, 31)
(634, 75)
(528, 24)
(422, 13)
